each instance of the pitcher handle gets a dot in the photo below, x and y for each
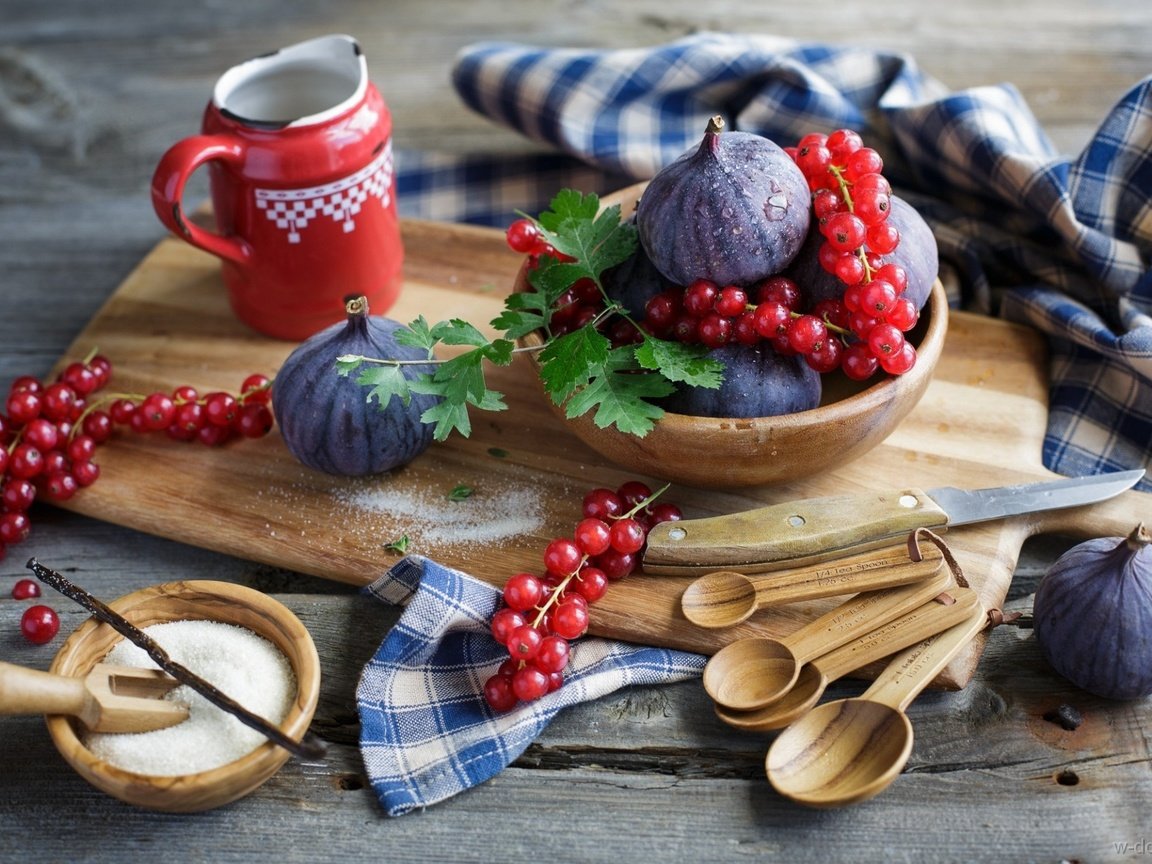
(169, 179)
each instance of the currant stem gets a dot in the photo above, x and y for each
(556, 592)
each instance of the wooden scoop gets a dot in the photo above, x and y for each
(750, 673)
(815, 676)
(109, 699)
(847, 751)
(725, 598)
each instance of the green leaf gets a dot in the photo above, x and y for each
(400, 544)
(384, 380)
(418, 334)
(458, 332)
(460, 492)
(568, 362)
(679, 362)
(620, 395)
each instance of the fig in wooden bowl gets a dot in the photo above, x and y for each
(251, 614)
(816, 433)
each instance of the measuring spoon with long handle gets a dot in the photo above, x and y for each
(749, 673)
(815, 676)
(725, 598)
(846, 751)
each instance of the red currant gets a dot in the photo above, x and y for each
(602, 504)
(17, 494)
(562, 556)
(58, 402)
(504, 622)
(616, 565)
(39, 624)
(845, 232)
(80, 378)
(592, 535)
(552, 656)
(806, 334)
(569, 619)
(591, 583)
(498, 693)
(529, 683)
(25, 461)
(25, 589)
(731, 301)
(23, 406)
(220, 408)
(700, 297)
(627, 536)
(523, 591)
(524, 642)
(522, 236)
(256, 388)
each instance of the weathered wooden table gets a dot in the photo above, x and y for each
(89, 99)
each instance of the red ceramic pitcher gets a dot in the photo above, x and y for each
(298, 145)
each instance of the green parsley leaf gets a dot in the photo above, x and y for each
(460, 492)
(620, 395)
(679, 362)
(383, 382)
(400, 544)
(570, 361)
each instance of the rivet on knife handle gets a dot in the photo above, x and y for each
(790, 534)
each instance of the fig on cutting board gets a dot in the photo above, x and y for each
(734, 210)
(327, 420)
(758, 382)
(917, 254)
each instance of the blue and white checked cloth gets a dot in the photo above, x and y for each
(426, 732)
(1062, 244)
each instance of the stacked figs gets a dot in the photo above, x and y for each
(737, 211)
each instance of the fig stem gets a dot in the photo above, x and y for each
(1138, 539)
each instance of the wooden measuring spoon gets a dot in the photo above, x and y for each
(815, 676)
(749, 673)
(847, 751)
(725, 598)
(107, 699)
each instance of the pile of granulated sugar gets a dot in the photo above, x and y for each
(495, 511)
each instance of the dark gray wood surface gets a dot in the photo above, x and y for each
(92, 94)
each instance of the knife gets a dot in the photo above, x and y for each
(822, 529)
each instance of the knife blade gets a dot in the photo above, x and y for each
(812, 530)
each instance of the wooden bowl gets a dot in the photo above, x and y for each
(715, 452)
(179, 601)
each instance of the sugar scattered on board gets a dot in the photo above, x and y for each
(245, 666)
(489, 514)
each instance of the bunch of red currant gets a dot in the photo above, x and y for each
(541, 614)
(49, 432)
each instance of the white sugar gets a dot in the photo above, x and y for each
(247, 667)
(491, 513)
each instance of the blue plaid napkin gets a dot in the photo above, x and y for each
(1062, 244)
(426, 732)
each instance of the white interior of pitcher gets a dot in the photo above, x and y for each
(300, 85)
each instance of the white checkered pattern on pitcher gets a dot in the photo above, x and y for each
(341, 200)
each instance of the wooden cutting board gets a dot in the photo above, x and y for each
(981, 423)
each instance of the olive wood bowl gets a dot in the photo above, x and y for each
(179, 601)
(712, 452)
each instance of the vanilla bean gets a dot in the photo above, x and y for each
(310, 747)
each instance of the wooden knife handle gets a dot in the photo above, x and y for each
(787, 535)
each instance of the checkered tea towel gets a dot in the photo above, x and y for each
(1062, 244)
(426, 732)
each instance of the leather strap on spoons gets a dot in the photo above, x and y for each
(815, 676)
(750, 673)
(849, 750)
(725, 598)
